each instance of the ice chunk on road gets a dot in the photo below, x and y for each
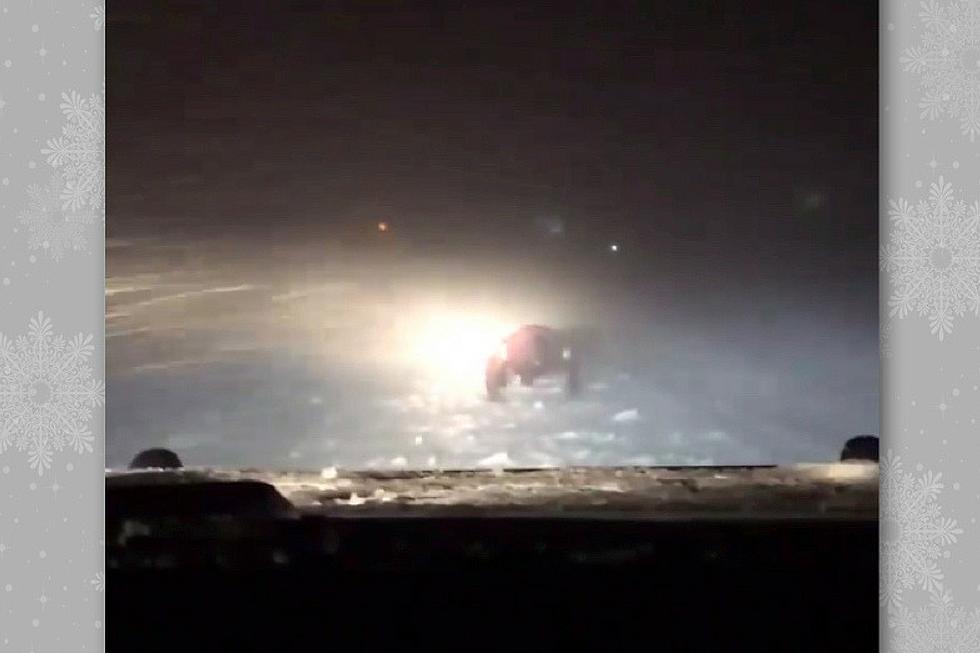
(630, 415)
(383, 495)
(498, 460)
(354, 500)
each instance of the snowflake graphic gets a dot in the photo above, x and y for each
(947, 61)
(914, 532)
(940, 627)
(80, 151)
(933, 258)
(98, 16)
(98, 582)
(885, 347)
(52, 227)
(47, 393)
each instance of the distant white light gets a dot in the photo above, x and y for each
(614, 247)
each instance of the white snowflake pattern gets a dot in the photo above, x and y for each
(933, 258)
(99, 582)
(940, 627)
(886, 349)
(52, 227)
(914, 531)
(47, 393)
(947, 61)
(80, 151)
(98, 16)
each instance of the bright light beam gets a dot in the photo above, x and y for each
(454, 347)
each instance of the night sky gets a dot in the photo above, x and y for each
(736, 125)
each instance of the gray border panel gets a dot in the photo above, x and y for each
(52, 172)
(930, 303)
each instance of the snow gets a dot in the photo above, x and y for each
(630, 415)
(829, 490)
(497, 461)
(354, 500)
(239, 369)
(384, 496)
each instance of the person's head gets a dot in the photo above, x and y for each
(861, 447)
(156, 458)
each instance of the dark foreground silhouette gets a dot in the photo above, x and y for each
(672, 559)
(861, 447)
(156, 459)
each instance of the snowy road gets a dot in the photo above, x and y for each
(236, 358)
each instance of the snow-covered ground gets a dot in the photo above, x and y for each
(304, 360)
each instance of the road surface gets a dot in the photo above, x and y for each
(306, 355)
